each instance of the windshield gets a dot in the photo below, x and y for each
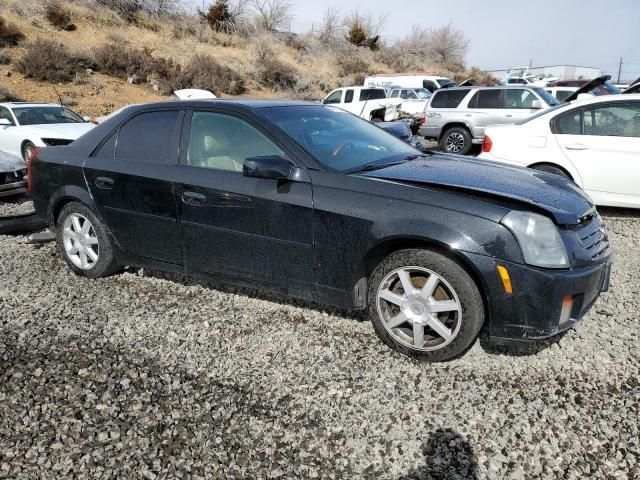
(423, 93)
(444, 82)
(45, 115)
(337, 139)
(546, 96)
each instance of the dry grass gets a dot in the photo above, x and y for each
(10, 34)
(59, 17)
(7, 96)
(204, 71)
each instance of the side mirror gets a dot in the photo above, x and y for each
(86, 118)
(536, 104)
(272, 167)
(5, 123)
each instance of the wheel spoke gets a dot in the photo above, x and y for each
(394, 298)
(418, 334)
(83, 258)
(429, 287)
(91, 241)
(444, 306)
(74, 249)
(405, 280)
(398, 320)
(76, 224)
(70, 233)
(85, 227)
(439, 327)
(92, 255)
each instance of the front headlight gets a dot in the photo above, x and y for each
(539, 239)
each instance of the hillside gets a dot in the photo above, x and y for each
(175, 50)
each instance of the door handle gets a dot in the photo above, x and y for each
(104, 183)
(193, 198)
(576, 146)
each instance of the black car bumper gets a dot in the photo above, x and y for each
(544, 302)
(12, 183)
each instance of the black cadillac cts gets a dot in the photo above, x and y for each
(316, 203)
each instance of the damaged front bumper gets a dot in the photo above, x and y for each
(544, 302)
(13, 183)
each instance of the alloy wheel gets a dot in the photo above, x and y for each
(419, 308)
(80, 241)
(455, 142)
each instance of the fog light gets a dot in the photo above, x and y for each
(567, 306)
(506, 280)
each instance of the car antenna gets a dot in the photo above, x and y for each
(59, 97)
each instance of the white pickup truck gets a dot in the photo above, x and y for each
(369, 103)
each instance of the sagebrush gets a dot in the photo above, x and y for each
(50, 60)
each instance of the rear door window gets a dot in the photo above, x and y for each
(519, 99)
(488, 99)
(448, 98)
(348, 97)
(372, 94)
(621, 120)
(395, 93)
(149, 137)
(108, 148)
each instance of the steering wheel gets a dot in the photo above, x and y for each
(341, 147)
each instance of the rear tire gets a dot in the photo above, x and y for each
(552, 169)
(436, 317)
(456, 140)
(84, 242)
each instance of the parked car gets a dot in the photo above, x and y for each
(595, 143)
(314, 202)
(605, 87)
(414, 100)
(369, 103)
(402, 129)
(456, 117)
(561, 93)
(523, 76)
(24, 126)
(429, 81)
(13, 175)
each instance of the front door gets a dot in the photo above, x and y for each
(131, 180)
(603, 142)
(243, 227)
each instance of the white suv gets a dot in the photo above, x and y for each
(457, 117)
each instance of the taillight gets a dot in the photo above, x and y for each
(33, 155)
(487, 144)
(423, 119)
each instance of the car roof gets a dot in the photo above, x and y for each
(251, 104)
(28, 104)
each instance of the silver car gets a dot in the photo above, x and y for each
(457, 117)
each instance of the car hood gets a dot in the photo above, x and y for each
(66, 131)
(557, 196)
(11, 163)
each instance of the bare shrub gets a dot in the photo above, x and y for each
(363, 30)
(125, 8)
(96, 86)
(219, 16)
(272, 15)
(204, 71)
(7, 96)
(331, 26)
(10, 35)
(52, 61)
(350, 62)
(59, 17)
(125, 62)
(5, 57)
(271, 71)
(443, 44)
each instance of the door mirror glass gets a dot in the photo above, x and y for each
(536, 104)
(86, 118)
(273, 167)
(4, 122)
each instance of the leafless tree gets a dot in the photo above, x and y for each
(448, 44)
(331, 26)
(272, 15)
(363, 29)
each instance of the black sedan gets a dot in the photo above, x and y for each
(313, 202)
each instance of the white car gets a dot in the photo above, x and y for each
(595, 142)
(369, 103)
(25, 126)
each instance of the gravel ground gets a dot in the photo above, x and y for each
(18, 205)
(139, 376)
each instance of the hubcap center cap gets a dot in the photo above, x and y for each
(417, 307)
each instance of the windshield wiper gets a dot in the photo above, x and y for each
(413, 156)
(373, 166)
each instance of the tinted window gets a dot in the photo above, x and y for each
(568, 123)
(335, 97)
(613, 121)
(108, 148)
(149, 137)
(372, 94)
(519, 99)
(448, 98)
(520, 81)
(223, 142)
(488, 99)
(348, 97)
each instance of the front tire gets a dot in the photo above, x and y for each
(84, 242)
(425, 305)
(27, 150)
(456, 140)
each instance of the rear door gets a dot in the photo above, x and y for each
(603, 143)
(243, 227)
(130, 177)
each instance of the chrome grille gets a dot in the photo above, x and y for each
(594, 238)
